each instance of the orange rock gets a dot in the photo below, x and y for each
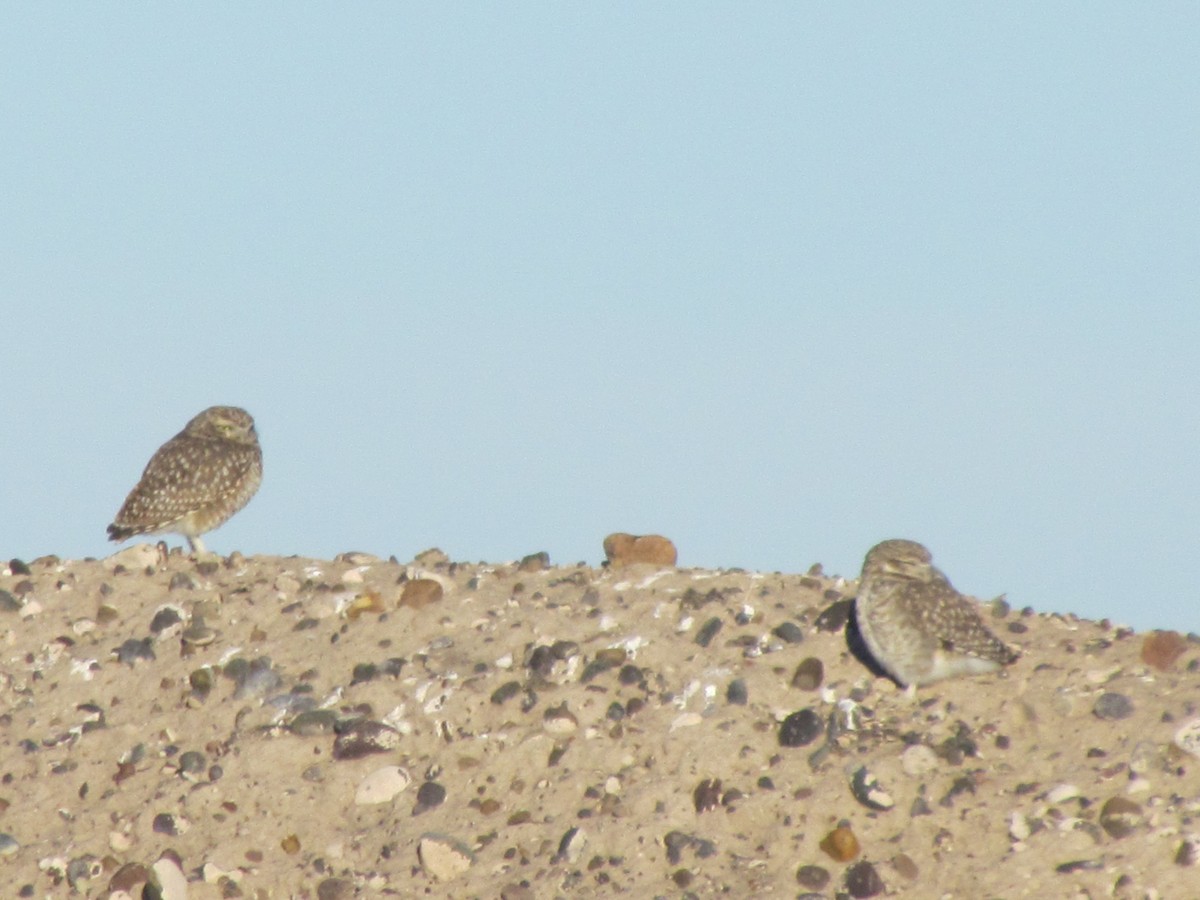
(420, 592)
(840, 844)
(1160, 649)
(622, 549)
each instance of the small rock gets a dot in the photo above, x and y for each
(1160, 649)
(421, 592)
(840, 845)
(707, 795)
(172, 883)
(905, 867)
(442, 857)
(834, 616)
(1120, 817)
(622, 549)
(708, 631)
(134, 651)
(812, 877)
(1187, 738)
(570, 847)
(381, 786)
(800, 728)
(863, 881)
(8, 844)
(129, 878)
(736, 693)
(1112, 705)
(364, 737)
(788, 632)
(429, 795)
(809, 674)
(918, 761)
(867, 791)
(535, 562)
(135, 558)
(1186, 854)
(335, 889)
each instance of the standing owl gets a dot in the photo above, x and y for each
(916, 625)
(196, 480)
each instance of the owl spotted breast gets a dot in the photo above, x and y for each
(916, 625)
(195, 481)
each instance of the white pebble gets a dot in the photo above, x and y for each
(382, 785)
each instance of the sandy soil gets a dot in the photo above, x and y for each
(270, 727)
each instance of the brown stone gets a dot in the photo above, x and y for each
(1160, 649)
(840, 844)
(622, 549)
(420, 592)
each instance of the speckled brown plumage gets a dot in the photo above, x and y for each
(916, 625)
(195, 481)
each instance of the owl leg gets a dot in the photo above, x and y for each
(197, 545)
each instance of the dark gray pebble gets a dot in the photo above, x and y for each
(834, 616)
(737, 692)
(1112, 705)
(506, 692)
(429, 795)
(708, 631)
(134, 651)
(863, 881)
(800, 728)
(788, 632)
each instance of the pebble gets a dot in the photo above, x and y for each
(866, 790)
(812, 877)
(534, 562)
(335, 889)
(800, 728)
(9, 603)
(364, 737)
(809, 674)
(622, 549)
(8, 844)
(708, 631)
(134, 651)
(1120, 817)
(382, 786)
(442, 857)
(863, 881)
(570, 847)
(172, 883)
(1112, 705)
(429, 795)
(1160, 649)
(707, 795)
(128, 878)
(1187, 738)
(736, 693)
(834, 616)
(677, 841)
(421, 592)
(918, 760)
(788, 632)
(1061, 793)
(905, 867)
(166, 622)
(840, 845)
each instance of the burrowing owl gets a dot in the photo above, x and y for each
(916, 625)
(196, 480)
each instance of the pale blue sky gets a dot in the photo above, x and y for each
(778, 280)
